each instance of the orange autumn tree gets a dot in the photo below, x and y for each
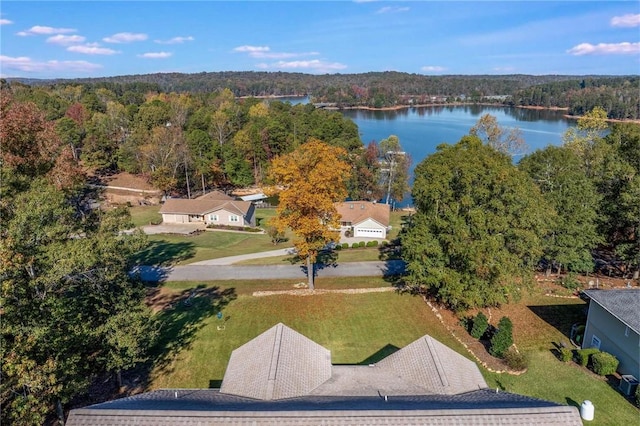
(309, 181)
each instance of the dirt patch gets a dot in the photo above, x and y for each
(127, 180)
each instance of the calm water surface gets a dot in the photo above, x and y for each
(421, 130)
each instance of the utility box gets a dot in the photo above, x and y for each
(628, 384)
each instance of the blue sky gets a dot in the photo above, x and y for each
(101, 38)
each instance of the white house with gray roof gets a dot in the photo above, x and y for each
(613, 326)
(283, 378)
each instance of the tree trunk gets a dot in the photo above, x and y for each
(203, 189)
(119, 379)
(310, 270)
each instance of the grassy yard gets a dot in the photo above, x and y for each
(357, 328)
(363, 328)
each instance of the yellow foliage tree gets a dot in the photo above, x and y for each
(310, 180)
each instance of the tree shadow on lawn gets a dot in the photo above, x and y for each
(561, 317)
(182, 316)
(164, 253)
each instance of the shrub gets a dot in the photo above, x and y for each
(480, 324)
(373, 243)
(570, 281)
(638, 396)
(354, 245)
(503, 339)
(566, 354)
(338, 247)
(345, 245)
(515, 360)
(361, 244)
(583, 355)
(604, 363)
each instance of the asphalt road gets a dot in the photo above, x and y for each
(230, 272)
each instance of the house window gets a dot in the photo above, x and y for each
(213, 217)
(234, 218)
(595, 342)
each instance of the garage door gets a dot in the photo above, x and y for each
(369, 233)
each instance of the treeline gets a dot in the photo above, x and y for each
(484, 224)
(618, 95)
(195, 142)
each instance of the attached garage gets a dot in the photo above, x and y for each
(175, 218)
(369, 229)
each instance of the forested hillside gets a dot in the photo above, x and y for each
(619, 95)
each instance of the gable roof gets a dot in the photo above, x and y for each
(279, 363)
(621, 303)
(283, 378)
(205, 204)
(434, 367)
(359, 211)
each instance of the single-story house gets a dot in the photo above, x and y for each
(613, 326)
(213, 208)
(368, 219)
(283, 378)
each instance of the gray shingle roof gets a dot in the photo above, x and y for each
(283, 378)
(279, 363)
(623, 304)
(209, 406)
(435, 367)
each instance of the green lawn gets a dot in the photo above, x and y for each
(145, 215)
(357, 328)
(363, 328)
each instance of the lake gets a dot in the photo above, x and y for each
(421, 130)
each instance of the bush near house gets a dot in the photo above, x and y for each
(373, 243)
(603, 363)
(638, 396)
(516, 360)
(566, 354)
(583, 355)
(345, 245)
(480, 325)
(503, 339)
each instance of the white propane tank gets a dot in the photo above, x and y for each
(587, 410)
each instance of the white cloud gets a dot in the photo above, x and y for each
(65, 40)
(42, 30)
(251, 49)
(125, 38)
(92, 49)
(155, 55)
(175, 40)
(392, 9)
(5, 22)
(433, 68)
(629, 20)
(26, 64)
(624, 48)
(314, 65)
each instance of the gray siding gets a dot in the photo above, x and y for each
(611, 332)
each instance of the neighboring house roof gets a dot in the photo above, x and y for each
(204, 205)
(279, 363)
(215, 195)
(283, 378)
(254, 197)
(359, 211)
(621, 303)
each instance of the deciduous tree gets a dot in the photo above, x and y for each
(311, 179)
(476, 236)
(508, 141)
